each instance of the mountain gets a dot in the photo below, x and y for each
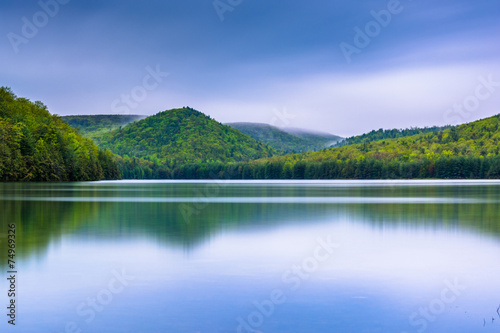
(288, 140)
(326, 138)
(38, 146)
(94, 125)
(466, 151)
(181, 136)
(382, 134)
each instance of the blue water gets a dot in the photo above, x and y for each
(381, 256)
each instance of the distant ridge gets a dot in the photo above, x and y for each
(302, 131)
(287, 140)
(91, 124)
(382, 134)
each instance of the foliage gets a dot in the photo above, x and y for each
(466, 151)
(38, 146)
(477, 139)
(185, 144)
(181, 136)
(286, 142)
(443, 168)
(382, 134)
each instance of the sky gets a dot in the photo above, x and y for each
(343, 67)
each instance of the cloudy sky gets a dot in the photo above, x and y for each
(343, 67)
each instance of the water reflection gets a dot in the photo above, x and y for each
(202, 255)
(185, 214)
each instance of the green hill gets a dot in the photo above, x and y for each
(382, 134)
(182, 136)
(38, 146)
(326, 140)
(476, 139)
(466, 151)
(286, 141)
(94, 125)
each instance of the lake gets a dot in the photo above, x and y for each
(253, 256)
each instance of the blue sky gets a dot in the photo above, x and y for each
(421, 63)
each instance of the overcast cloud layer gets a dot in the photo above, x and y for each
(289, 63)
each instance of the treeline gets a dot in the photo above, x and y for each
(469, 151)
(443, 168)
(38, 146)
(382, 134)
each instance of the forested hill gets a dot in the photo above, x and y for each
(326, 139)
(38, 146)
(466, 151)
(476, 139)
(181, 136)
(286, 142)
(92, 125)
(382, 134)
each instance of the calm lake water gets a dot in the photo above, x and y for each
(328, 256)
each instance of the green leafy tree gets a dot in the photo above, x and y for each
(38, 146)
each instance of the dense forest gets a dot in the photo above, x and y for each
(382, 134)
(38, 146)
(186, 144)
(181, 136)
(466, 151)
(443, 168)
(286, 142)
